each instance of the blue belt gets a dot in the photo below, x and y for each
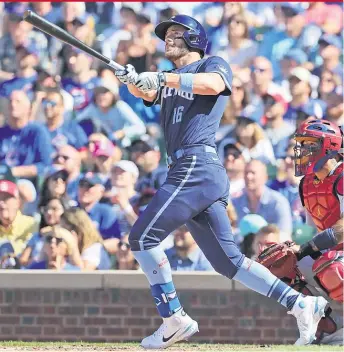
(189, 151)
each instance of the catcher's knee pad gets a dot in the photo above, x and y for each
(329, 273)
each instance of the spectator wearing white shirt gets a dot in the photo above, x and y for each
(92, 250)
(115, 116)
(240, 50)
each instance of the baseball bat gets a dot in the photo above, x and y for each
(57, 32)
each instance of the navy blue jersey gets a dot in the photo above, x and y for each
(187, 118)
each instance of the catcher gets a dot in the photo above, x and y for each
(317, 267)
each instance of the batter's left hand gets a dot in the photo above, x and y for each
(147, 81)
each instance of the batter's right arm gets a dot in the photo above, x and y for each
(129, 76)
(148, 96)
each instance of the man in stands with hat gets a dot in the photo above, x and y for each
(14, 226)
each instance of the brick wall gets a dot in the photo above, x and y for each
(119, 314)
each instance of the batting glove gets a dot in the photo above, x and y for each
(147, 81)
(128, 75)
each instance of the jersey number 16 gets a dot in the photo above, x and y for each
(177, 114)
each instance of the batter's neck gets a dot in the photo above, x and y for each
(187, 59)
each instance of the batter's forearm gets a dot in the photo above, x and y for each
(150, 96)
(202, 83)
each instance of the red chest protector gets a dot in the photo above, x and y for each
(320, 198)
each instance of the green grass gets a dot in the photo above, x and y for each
(131, 346)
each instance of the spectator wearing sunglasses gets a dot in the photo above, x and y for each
(51, 214)
(26, 158)
(301, 101)
(234, 163)
(276, 129)
(61, 132)
(90, 243)
(254, 143)
(125, 259)
(54, 186)
(239, 50)
(60, 251)
(68, 158)
(90, 192)
(262, 84)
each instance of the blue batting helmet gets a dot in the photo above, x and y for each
(195, 37)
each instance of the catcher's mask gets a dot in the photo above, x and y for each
(316, 142)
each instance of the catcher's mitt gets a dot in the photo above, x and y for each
(281, 260)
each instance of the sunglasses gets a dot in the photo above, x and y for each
(258, 69)
(234, 154)
(64, 157)
(49, 239)
(54, 209)
(123, 244)
(50, 103)
(237, 21)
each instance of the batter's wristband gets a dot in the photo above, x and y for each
(186, 82)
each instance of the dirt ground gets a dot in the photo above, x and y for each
(132, 347)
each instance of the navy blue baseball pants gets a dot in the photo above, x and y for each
(195, 193)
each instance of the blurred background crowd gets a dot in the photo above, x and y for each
(80, 157)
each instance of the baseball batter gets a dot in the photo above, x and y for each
(193, 97)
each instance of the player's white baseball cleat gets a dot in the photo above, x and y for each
(308, 311)
(178, 327)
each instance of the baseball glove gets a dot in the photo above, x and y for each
(281, 260)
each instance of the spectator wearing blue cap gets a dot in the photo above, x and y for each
(82, 80)
(330, 50)
(260, 199)
(27, 60)
(249, 225)
(145, 153)
(296, 34)
(19, 34)
(90, 192)
(25, 146)
(47, 11)
(61, 132)
(302, 105)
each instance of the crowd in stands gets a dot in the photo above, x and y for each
(80, 157)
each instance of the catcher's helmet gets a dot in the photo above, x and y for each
(316, 142)
(195, 37)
